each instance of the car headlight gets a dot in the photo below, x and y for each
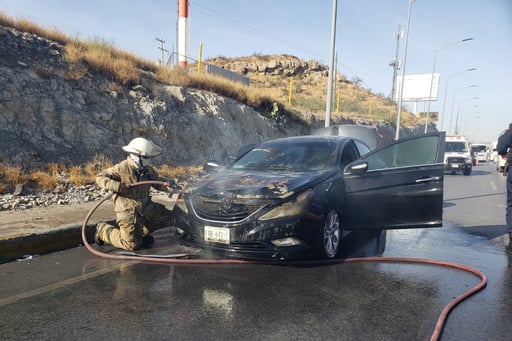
(290, 208)
(469, 159)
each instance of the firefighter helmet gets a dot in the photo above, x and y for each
(142, 147)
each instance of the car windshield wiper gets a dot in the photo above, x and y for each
(267, 167)
(279, 168)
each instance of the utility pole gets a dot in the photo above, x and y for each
(161, 48)
(331, 66)
(401, 91)
(395, 62)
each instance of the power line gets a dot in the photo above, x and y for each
(255, 30)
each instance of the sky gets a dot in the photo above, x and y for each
(476, 102)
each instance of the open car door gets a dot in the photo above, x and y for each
(399, 185)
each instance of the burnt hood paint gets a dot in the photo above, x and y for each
(257, 184)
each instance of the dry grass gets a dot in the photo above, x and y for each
(75, 72)
(173, 76)
(53, 175)
(25, 25)
(178, 172)
(260, 99)
(10, 176)
(78, 177)
(44, 180)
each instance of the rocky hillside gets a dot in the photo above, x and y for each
(45, 116)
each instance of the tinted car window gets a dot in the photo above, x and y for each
(299, 157)
(349, 154)
(407, 153)
(361, 147)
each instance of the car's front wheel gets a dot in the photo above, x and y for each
(331, 235)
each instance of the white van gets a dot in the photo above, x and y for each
(457, 156)
(480, 152)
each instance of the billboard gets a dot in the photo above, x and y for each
(417, 87)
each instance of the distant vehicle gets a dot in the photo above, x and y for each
(457, 156)
(494, 152)
(297, 197)
(480, 152)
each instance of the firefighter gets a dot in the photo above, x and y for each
(136, 214)
(504, 149)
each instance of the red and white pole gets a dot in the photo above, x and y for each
(182, 32)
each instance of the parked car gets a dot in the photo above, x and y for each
(297, 197)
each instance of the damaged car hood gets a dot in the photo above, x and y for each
(256, 184)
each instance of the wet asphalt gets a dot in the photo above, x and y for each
(75, 294)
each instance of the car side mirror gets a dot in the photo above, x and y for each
(211, 166)
(356, 167)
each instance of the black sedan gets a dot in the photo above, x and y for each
(297, 197)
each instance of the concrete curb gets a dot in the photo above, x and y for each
(19, 247)
(50, 229)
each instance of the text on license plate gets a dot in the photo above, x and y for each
(216, 234)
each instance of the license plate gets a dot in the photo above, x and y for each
(455, 166)
(216, 234)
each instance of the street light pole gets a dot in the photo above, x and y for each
(461, 120)
(401, 93)
(453, 102)
(446, 93)
(468, 129)
(432, 76)
(331, 66)
(458, 112)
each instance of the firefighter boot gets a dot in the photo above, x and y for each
(97, 238)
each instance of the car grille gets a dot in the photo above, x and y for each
(456, 160)
(224, 208)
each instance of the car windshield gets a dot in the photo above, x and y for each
(456, 146)
(478, 149)
(291, 156)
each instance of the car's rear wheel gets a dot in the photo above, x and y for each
(331, 235)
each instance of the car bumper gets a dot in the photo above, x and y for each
(457, 166)
(251, 240)
(256, 252)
